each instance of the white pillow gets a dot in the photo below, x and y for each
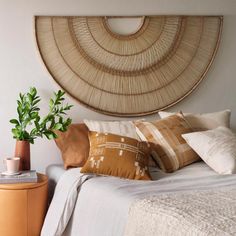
(216, 147)
(123, 128)
(204, 121)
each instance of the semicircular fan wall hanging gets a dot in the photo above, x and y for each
(128, 75)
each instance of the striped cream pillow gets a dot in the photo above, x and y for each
(117, 155)
(124, 128)
(169, 149)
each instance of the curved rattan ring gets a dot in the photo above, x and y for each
(128, 75)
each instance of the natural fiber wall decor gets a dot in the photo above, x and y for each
(128, 75)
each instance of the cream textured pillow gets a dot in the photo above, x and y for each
(124, 128)
(216, 147)
(204, 121)
(117, 155)
(169, 149)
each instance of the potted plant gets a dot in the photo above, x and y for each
(30, 125)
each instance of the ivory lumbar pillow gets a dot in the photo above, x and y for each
(216, 147)
(204, 121)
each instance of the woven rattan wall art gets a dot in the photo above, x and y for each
(128, 75)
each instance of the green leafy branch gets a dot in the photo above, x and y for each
(28, 116)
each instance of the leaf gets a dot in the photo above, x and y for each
(25, 135)
(36, 101)
(34, 115)
(35, 109)
(30, 97)
(27, 108)
(19, 110)
(51, 103)
(37, 125)
(33, 91)
(15, 132)
(50, 134)
(52, 123)
(14, 121)
(33, 131)
(21, 97)
(31, 141)
(18, 127)
(19, 103)
(68, 121)
(57, 126)
(68, 107)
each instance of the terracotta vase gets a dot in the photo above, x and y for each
(22, 150)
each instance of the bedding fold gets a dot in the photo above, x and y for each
(63, 202)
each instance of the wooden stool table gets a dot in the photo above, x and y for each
(23, 207)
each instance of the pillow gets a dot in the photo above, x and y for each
(123, 128)
(216, 147)
(74, 145)
(204, 121)
(169, 149)
(117, 155)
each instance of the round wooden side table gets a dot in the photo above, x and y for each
(23, 207)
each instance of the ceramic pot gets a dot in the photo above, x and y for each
(22, 150)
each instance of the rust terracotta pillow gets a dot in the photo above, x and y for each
(117, 155)
(74, 145)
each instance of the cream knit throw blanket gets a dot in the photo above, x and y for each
(198, 213)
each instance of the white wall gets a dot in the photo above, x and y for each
(21, 66)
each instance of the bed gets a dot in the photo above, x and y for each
(195, 197)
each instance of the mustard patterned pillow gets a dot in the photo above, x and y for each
(117, 155)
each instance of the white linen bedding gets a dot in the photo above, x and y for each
(54, 173)
(103, 203)
(193, 213)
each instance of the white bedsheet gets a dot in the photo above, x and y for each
(103, 203)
